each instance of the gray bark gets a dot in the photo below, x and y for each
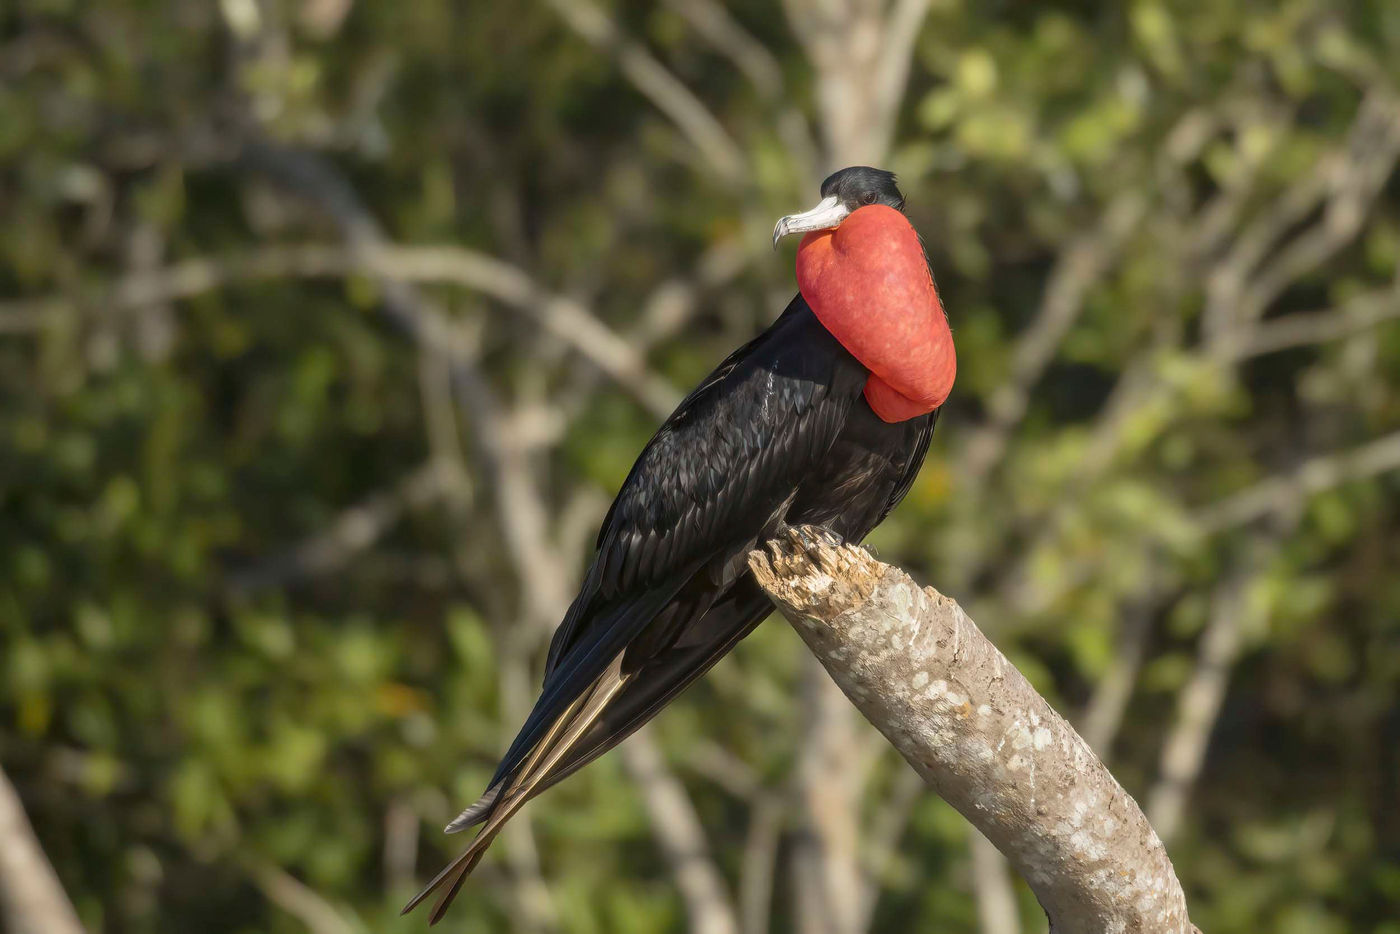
(977, 732)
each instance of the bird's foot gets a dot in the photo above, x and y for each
(811, 537)
(806, 566)
(794, 548)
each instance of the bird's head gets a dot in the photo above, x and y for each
(843, 193)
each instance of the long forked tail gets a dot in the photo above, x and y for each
(501, 803)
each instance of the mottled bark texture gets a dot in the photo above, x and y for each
(979, 734)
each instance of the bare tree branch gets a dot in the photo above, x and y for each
(1278, 495)
(717, 26)
(1078, 269)
(446, 345)
(520, 503)
(861, 54)
(1353, 182)
(1198, 707)
(996, 897)
(759, 863)
(1342, 185)
(352, 532)
(903, 21)
(714, 23)
(828, 885)
(1287, 493)
(301, 901)
(658, 85)
(1104, 713)
(543, 573)
(516, 688)
(885, 829)
(682, 839)
(1238, 289)
(1304, 328)
(975, 729)
(520, 506)
(401, 832)
(26, 317)
(565, 318)
(32, 900)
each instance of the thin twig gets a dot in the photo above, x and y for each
(1238, 288)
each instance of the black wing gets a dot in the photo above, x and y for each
(717, 472)
(733, 451)
(911, 468)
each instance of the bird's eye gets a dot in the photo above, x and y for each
(869, 197)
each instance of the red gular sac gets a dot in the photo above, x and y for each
(869, 284)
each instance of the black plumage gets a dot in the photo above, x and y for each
(778, 435)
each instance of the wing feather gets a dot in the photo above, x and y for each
(729, 456)
(911, 468)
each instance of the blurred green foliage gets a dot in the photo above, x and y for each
(201, 709)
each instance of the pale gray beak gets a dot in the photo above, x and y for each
(830, 212)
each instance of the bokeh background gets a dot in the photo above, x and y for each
(328, 328)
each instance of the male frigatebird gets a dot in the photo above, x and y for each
(823, 419)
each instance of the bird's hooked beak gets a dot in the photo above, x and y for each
(829, 212)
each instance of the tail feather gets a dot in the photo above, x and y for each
(617, 625)
(484, 806)
(479, 811)
(666, 676)
(562, 736)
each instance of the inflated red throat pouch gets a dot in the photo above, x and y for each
(869, 284)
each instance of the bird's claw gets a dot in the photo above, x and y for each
(811, 537)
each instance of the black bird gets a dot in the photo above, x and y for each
(780, 434)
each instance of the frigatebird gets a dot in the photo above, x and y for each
(823, 419)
